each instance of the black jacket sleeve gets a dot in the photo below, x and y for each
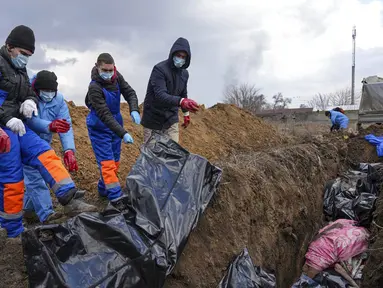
(6, 87)
(29, 93)
(185, 92)
(128, 92)
(97, 101)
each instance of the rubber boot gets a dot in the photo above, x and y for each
(77, 206)
(79, 194)
(53, 218)
(15, 240)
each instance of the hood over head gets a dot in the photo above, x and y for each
(181, 44)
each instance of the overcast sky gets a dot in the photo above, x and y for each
(297, 47)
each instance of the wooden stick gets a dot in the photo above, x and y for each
(344, 274)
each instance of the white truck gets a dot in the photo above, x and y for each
(371, 102)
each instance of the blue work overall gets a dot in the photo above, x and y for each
(107, 145)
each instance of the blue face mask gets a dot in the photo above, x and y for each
(47, 96)
(20, 61)
(178, 62)
(106, 75)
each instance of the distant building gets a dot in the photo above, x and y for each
(344, 107)
(300, 114)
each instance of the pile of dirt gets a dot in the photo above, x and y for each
(366, 151)
(214, 133)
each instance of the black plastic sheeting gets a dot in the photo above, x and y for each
(354, 194)
(242, 273)
(135, 242)
(325, 279)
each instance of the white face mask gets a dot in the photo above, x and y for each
(178, 62)
(20, 61)
(47, 96)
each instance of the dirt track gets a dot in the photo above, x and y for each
(272, 185)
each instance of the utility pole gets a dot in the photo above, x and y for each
(353, 67)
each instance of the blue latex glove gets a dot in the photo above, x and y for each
(135, 117)
(128, 139)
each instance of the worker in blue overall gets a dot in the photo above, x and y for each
(105, 123)
(18, 103)
(53, 117)
(339, 121)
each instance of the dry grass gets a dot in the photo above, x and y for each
(300, 129)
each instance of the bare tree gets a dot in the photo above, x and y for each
(245, 96)
(340, 97)
(280, 102)
(303, 106)
(320, 101)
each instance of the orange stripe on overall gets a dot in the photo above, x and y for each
(54, 166)
(109, 171)
(13, 197)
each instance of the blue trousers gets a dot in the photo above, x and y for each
(37, 196)
(33, 151)
(107, 149)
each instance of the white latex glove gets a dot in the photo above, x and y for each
(28, 107)
(16, 126)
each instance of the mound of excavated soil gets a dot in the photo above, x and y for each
(214, 133)
(366, 151)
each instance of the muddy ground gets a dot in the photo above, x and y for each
(270, 199)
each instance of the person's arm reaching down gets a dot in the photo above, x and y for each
(131, 97)
(67, 138)
(333, 118)
(184, 111)
(128, 93)
(185, 94)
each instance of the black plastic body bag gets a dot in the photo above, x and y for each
(354, 194)
(242, 273)
(136, 241)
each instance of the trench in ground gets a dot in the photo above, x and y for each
(269, 202)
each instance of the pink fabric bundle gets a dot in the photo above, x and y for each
(338, 241)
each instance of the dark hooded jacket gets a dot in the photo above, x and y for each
(167, 86)
(14, 88)
(95, 99)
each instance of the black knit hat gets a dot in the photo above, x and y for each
(46, 80)
(22, 37)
